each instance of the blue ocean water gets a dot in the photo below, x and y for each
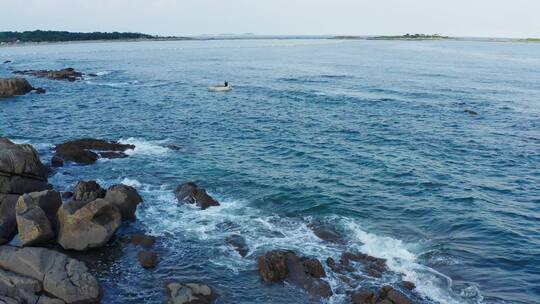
(369, 136)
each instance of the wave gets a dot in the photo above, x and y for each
(263, 232)
(145, 147)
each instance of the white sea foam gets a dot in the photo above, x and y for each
(262, 232)
(103, 73)
(145, 147)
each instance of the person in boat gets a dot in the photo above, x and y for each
(226, 84)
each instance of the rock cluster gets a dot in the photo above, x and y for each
(306, 273)
(21, 171)
(190, 293)
(36, 275)
(386, 295)
(64, 74)
(86, 151)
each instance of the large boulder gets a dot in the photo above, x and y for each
(22, 289)
(14, 86)
(190, 293)
(21, 170)
(126, 198)
(8, 222)
(36, 216)
(87, 191)
(64, 74)
(87, 225)
(86, 151)
(190, 193)
(58, 275)
(306, 273)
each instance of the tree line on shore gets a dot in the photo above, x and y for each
(59, 36)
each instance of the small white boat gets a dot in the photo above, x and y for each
(220, 88)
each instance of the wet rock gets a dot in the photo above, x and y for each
(8, 222)
(239, 244)
(14, 86)
(21, 170)
(40, 90)
(7, 61)
(148, 258)
(173, 147)
(126, 198)
(85, 151)
(408, 285)
(394, 296)
(364, 296)
(35, 215)
(372, 265)
(190, 293)
(57, 162)
(190, 193)
(280, 265)
(59, 275)
(87, 191)
(143, 240)
(87, 225)
(65, 74)
(326, 232)
(470, 112)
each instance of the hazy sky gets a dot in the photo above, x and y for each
(501, 18)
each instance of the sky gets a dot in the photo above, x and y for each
(473, 18)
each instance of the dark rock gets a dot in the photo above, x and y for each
(40, 90)
(87, 225)
(239, 244)
(190, 293)
(280, 265)
(470, 112)
(388, 293)
(87, 191)
(67, 194)
(148, 259)
(173, 147)
(65, 74)
(60, 276)
(7, 61)
(143, 240)
(408, 285)
(21, 170)
(372, 265)
(364, 296)
(57, 162)
(8, 222)
(190, 193)
(83, 151)
(92, 75)
(14, 86)
(326, 232)
(126, 198)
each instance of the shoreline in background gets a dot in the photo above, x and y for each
(282, 37)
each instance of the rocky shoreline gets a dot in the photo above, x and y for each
(50, 225)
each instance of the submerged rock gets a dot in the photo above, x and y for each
(143, 240)
(87, 191)
(35, 269)
(280, 265)
(125, 198)
(408, 285)
(326, 232)
(190, 293)
(148, 258)
(14, 86)
(239, 244)
(386, 295)
(85, 151)
(190, 193)
(65, 74)
(87, 225)
(470, 112)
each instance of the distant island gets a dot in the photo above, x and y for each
(64, 36)
(401, 37)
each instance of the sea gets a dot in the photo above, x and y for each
(424, 153)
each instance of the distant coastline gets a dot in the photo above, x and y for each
(40, 37)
